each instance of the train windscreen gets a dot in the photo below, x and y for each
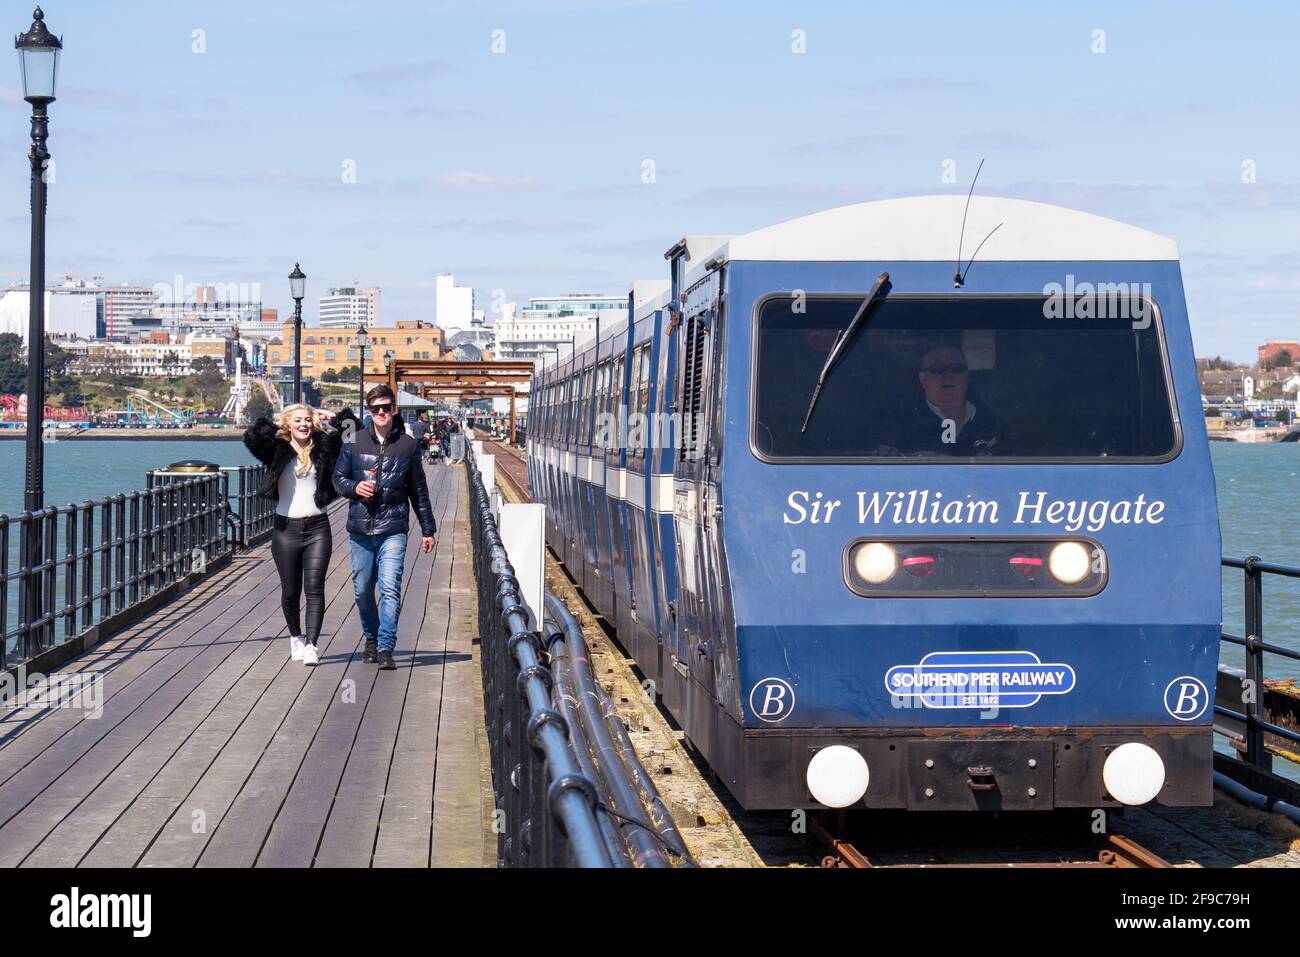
(971, 378)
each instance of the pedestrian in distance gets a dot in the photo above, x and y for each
(300, 450)
(382, 474)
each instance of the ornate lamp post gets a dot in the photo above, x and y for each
(362, 341)
(297, 289)
(38, 60)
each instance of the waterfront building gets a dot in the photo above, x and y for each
(336, 349)
(147, 357)
(1270, 351)
(347, 307)
(551, 322)
(68, 311)
(454, 304)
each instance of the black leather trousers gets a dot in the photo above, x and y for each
(301, 548)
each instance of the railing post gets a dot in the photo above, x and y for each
(70, 573)
(1256, 754)
(88, 563)
(49, 575)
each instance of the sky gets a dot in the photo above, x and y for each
(541, 147)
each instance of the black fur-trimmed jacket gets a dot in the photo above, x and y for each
(261, 440)
(399, 482)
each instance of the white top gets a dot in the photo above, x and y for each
(925, 229)
(297, 492)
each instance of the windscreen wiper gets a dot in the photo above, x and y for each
(842, 340)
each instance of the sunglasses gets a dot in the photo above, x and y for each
(956, 369)
(381, 409)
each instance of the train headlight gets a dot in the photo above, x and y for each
(1133, 773)
(875, 563)
(1069, 563)
(838, 776)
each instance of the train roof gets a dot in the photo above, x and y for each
(926, 228)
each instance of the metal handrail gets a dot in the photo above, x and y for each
(1256, 725)
(105, 556)
(547, 802)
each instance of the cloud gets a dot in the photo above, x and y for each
(470, 181)
(763, 196)
(391, 78)
(199, 222)
(916, 86)
(437, 113)
(193, 259)
(1001, 140)
(843, 146)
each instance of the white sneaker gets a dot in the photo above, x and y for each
(310, 656)
(296, 645)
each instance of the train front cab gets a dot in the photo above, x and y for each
(876, 612)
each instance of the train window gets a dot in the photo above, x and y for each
(643, 398)
(970, 378)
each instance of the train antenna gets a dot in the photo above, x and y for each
(978, 248)
(957, 279)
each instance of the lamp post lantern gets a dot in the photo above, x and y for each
(297, 289)
(38, 62)
(361, 370)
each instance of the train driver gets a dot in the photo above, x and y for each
(948, 422)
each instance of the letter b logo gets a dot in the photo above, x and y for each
(1186, 698)
(771, 700)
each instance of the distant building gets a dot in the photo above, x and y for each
(69, 312)
(1270, 350)
(454, 304)
(550, 323)
(131, 358)
(347, 307)
(336, 349)
(125, 305)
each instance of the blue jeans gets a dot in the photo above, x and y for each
(378, 559)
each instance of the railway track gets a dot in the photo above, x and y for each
(511, 466)
(1106, 851)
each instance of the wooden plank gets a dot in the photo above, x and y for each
(215, 750)
(189, 735)
(396, 714)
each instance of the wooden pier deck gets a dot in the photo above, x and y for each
(215, 750)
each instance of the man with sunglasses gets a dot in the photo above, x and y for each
(381, 472)
(949, 423)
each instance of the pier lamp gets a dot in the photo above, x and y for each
(297, 289)
(38, 62)
(362, 342)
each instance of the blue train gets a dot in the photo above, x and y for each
(886, 533)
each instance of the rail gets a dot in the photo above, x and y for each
(1254, 719)
(67, 571)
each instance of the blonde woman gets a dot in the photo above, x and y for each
(300, 450)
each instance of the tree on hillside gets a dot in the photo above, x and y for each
(13, 364)
(203, 363)
(329, 375)
(208, 383)
(259, 406)
(1282, 359)
(1219, 364)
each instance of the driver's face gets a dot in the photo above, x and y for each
(944, 377)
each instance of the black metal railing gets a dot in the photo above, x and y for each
(569, 790)
(102, 557)
(545, 807)
(1254, 718)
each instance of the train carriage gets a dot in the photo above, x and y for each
(937, 541)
